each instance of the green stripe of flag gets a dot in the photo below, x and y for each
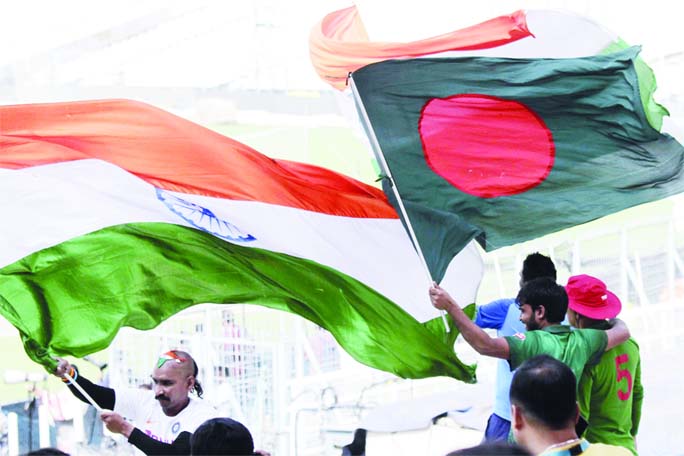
(72, 298)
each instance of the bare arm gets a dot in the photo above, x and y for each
(618, 334)
(474, 335)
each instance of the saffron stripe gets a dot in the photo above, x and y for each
(174, 154)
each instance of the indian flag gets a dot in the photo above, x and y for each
(119, 214)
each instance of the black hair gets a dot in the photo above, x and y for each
(492, 449)
(221, 436)
(537, 265)
(197, 388)
(545, 390)
(544, 291)
(47, 451)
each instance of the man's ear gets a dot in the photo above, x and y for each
(516, 417)
(540, 312)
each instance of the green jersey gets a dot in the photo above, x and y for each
(610, 396)
(575, 348)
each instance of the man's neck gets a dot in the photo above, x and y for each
(594, 324)
(177, 411)
(548, 439)
(545, 324)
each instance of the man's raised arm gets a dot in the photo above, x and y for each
(474, 335)
(103, 396)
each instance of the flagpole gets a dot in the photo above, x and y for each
(383, 163)
(82, 391)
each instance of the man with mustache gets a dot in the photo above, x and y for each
(153, 420)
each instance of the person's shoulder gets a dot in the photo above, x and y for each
(200, 403)
(536, 341)
(603, 449)
(631, 343)
(590, 332)
(503, 302)
(537, 334)
(528, 340)
(135, 403)
(521, 336)
(198, 411)
(629, 346)
(201, 406)
(593, 340)
(140, 395)
(493, 314)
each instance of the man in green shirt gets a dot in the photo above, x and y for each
(543, 304)
(610, 393)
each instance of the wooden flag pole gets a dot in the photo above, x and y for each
(383, 163)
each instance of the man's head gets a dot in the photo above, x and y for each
(542, 303)
(492, 449)
(590, 301)
(48, 451)
(174, 376)
(535, 266)
(543, 398)
(221, 436)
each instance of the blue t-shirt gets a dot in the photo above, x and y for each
(504, 316)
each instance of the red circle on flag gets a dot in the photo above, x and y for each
(486, 146)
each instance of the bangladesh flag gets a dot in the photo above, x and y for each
(512, 149)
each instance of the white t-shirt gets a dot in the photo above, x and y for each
(143, 410)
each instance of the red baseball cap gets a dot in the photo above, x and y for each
(590, 297)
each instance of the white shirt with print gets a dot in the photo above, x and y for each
(141, 408)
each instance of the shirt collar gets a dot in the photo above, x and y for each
(558, 329)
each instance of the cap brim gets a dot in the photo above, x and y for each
(611, 309)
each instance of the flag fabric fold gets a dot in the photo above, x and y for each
(123, 215)
(518, 148)
(339, 44)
